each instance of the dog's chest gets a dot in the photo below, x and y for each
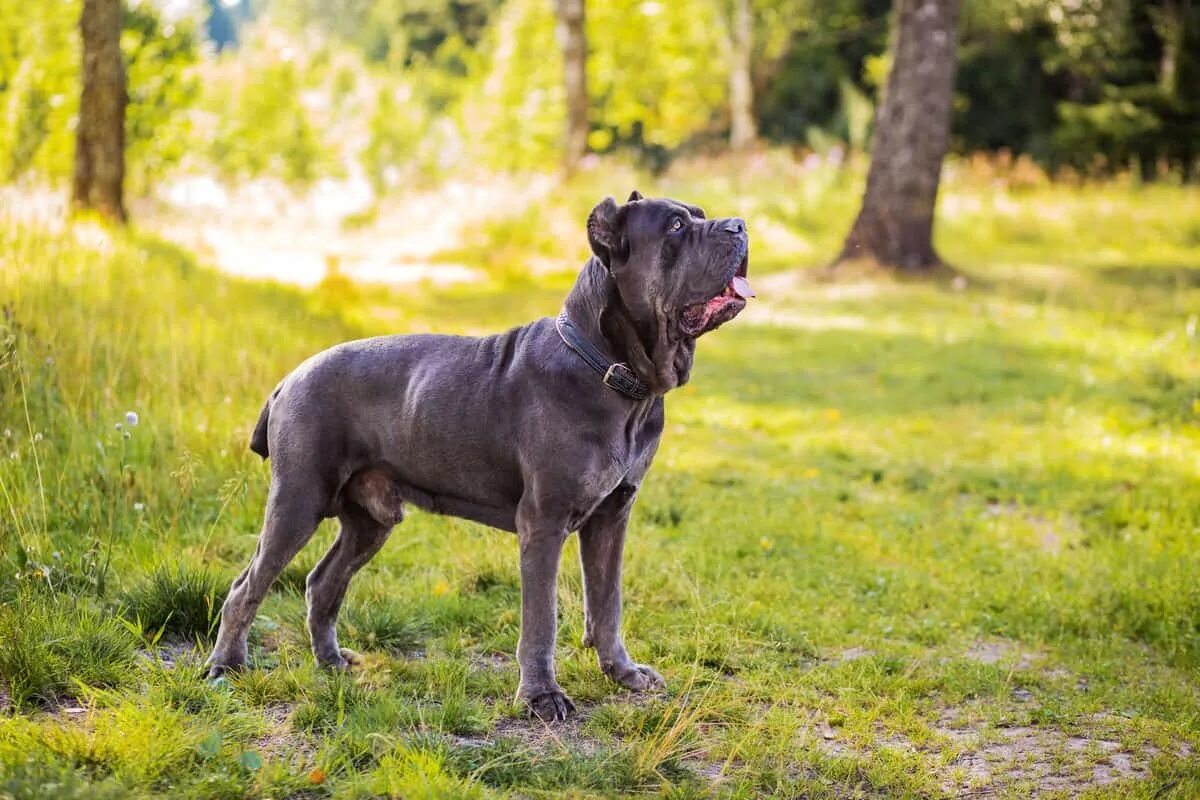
(617, 468)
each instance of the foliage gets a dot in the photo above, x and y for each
(39, 55)
(516, 115)
(1082, 84)
(657, 73)
(262, 129)
(414, 90)
(39, 68)
(400, 33)
(159, 58)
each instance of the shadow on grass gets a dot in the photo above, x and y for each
(1151, 276)
(877, 373)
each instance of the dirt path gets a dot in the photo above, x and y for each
(265, 230)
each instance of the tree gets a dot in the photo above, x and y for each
(742, 128)
(912, 129)
(573, 40)
(100, 134)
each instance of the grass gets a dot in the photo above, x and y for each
(178, 601)
(901, 540)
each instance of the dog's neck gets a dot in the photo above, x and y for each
(649, 348)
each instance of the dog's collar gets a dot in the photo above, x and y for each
(616, 374)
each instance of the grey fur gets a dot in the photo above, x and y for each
(512, 430)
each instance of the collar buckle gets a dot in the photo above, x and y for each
(620, 377)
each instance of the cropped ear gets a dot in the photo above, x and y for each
(635, 195)
(604, 230)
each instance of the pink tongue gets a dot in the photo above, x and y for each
(742, 286)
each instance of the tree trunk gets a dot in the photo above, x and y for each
(742, 130)
(100, 134)
(573, 40)
(1168, 24)
(912, 130)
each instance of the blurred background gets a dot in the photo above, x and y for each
(341, 133)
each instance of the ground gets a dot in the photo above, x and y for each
(902, 539)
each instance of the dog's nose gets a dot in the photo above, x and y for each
(734, 225)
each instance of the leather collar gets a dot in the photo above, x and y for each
(616, 374)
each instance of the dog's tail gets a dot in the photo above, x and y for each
(258, 439)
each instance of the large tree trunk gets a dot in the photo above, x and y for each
(100, 135)
(573, 40)
(912, 129)
(742, 129)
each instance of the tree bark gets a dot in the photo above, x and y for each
(912, 131)
(100, 133)
(572, 38)
(742, 130)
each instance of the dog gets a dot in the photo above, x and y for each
(542, 430)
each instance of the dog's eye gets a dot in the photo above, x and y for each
(676, 225)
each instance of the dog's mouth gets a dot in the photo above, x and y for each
(703, 317)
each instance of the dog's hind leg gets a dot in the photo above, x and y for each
(375, 507)
(359, 539)
(292, 515)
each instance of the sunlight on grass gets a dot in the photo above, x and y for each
(889, 524)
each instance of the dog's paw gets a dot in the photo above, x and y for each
(215, 672)
(343, 660)
(551, 706)
(636, 677)
(350, 659)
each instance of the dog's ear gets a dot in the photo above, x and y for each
(635, 195)
(604, 228)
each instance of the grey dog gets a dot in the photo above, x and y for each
(542, 430)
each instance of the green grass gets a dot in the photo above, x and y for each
(178, 601)
(900, 540)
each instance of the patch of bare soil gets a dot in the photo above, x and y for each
(171, 654)
(996, 651)
(1039, 760)
(972, 756)
(543, 737)
(280, 742)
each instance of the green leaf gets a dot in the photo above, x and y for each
(210, 747)
(250, 761)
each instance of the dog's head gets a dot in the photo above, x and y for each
(678, 275)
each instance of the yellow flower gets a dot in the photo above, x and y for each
(441, 588)
(766, 544)
(811, 473)
(832, 414)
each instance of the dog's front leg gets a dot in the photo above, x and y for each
(541, 549)
(601, 545)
